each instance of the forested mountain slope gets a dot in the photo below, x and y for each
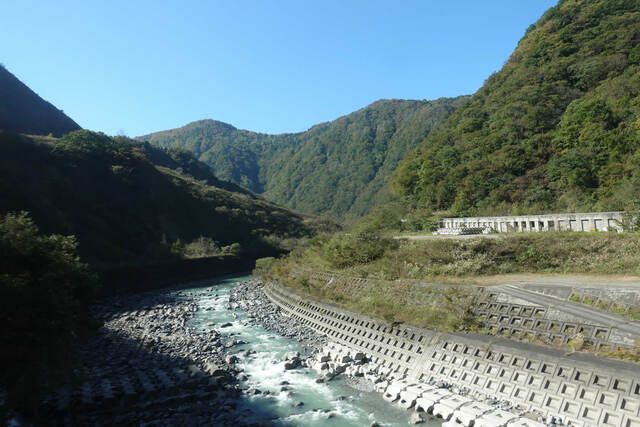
(23, 111)
(557, 128)
(129, 203)
(340, 168)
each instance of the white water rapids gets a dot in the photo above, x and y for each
(331, 404)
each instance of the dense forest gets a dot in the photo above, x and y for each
(341, 168)
(129, 203)
(557, 128)
(22, 110)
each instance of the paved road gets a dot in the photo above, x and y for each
(580, 310)
(446, 236)
(562, 280)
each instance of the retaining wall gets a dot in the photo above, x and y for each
(504, 314)
(619, 298)
(580, 388)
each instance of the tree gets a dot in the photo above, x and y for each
(44, 291)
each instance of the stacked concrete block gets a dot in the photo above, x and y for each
(445, 407)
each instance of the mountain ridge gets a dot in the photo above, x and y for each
(362, 149)
(128, 202)
(555, 129)
(24, 111)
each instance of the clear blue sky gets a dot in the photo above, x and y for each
(273, 66)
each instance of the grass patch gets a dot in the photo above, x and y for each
(446, 309)
(631, 312)
(457, 260)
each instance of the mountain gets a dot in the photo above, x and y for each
(341, 168)
(129, 203)
(23, 111)
(557, 128)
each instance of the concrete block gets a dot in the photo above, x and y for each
(447, 406)
(392, 393)
(381, 387)
(407, 399)
(469, 413)
(429, 399)
(344, 359)
(524, 422)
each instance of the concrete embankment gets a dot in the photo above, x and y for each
(575, 388)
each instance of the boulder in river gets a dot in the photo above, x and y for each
(213, 369)
(291, 360)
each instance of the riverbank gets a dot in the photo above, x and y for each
(171, 274)
(362, 372)
(250, 298)
(390, 265)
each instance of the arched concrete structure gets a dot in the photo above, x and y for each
(593, 221)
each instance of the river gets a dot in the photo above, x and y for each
(288, 397)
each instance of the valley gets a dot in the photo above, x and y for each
(454, 261)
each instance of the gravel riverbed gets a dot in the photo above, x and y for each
(145, 366)
(249, 297)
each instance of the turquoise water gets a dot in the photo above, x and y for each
(331, 404)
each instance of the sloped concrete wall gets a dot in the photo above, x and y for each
(619, 297)
(505, 314)
(579, 388)
(546, 323)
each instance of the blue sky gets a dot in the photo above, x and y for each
(273, 66)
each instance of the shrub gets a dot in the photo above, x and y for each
(264, 267)
(344, 250)
(201, 247)
(232, 249)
